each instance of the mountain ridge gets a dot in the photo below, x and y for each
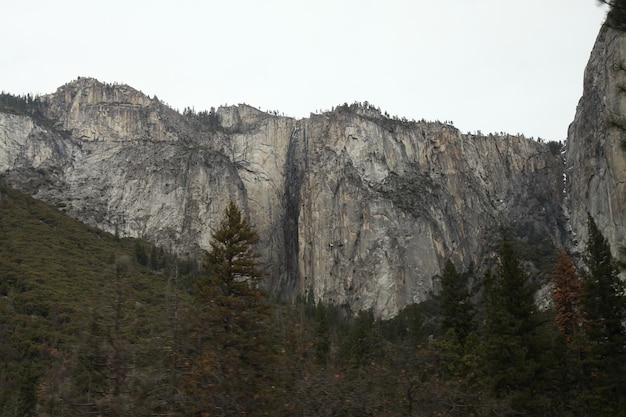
(352, 206)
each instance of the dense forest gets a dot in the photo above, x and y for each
(96, 325)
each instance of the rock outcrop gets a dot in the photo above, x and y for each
(596, 157)
(351, 206)
(382, 204)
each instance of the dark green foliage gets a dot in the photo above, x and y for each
(514, 344)
(17, 104)
(235, 349)
(591, 366)
(361, 343)
(456, 306)
(207, 118)
(605, 310)
(407, 326)
(54, 279)
(119, 348)
(538, 250)
(605, 304)
(93, 325)
(616, 17)
(141, 254)
(555, 147)
(509, 295)
(231, 262)
(323, 320)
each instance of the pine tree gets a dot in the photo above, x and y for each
(322, 333)
(569, 318)
(106, 371)
(621, 262)
(456, 305)
(456, 343)
(360, 344)
(605, 309)
(567, 295)
(235, 351)
(231, 264)
(616, 17)
(513, 345)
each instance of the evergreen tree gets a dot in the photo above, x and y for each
(567, 295)
(322, 333)
(234, 358)
(456, 305)
(569, 318)
(621, 262)
(513, 345)
(140, 253)
(231, 264)
(362, 339)
(605, 309)
(616, 17)
(106, 378)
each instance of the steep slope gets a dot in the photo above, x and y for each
(56, 281)
(596, 161)
(352, 206)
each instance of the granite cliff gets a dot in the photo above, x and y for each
(352, 206)
(596, 156)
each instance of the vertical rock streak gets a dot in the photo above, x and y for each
(290, 282)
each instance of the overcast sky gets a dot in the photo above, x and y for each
(490, 65)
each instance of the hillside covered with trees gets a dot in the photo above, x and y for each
(92, 324)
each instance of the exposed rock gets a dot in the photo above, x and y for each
(351, 206)
(383, 203)
(596, 163)
(129, 165)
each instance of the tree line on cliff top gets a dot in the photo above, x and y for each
(616, 16)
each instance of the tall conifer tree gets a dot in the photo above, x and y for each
(567, 295)
(235, 351)
(605, 308)
(456, 304)
(514, 348)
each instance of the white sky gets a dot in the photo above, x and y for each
(490, 65)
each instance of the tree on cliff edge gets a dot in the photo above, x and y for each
(616, 17)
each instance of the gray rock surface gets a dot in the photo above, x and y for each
(352, 206)
(596, 163)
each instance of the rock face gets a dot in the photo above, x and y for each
(122, 162)
(596, 161)
(382, 204)
(351, 206)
